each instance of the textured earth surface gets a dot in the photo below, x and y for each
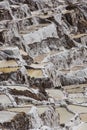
(43, 65)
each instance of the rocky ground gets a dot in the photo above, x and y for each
(43, 65)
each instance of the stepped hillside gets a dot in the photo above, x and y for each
(43, 64)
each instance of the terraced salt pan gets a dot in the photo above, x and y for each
(40, 58)
(37, 66)
(77, 108)
(26, 109)
(75, 88)
(65, 115)
(55, 93)
(36, 73)
(79, 98)
(21, 109)
(9, 70)
(6, 116)
(75, 95)
(4, 99)
(9, 63)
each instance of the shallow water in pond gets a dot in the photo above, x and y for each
(65, 115)
(77, 109)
